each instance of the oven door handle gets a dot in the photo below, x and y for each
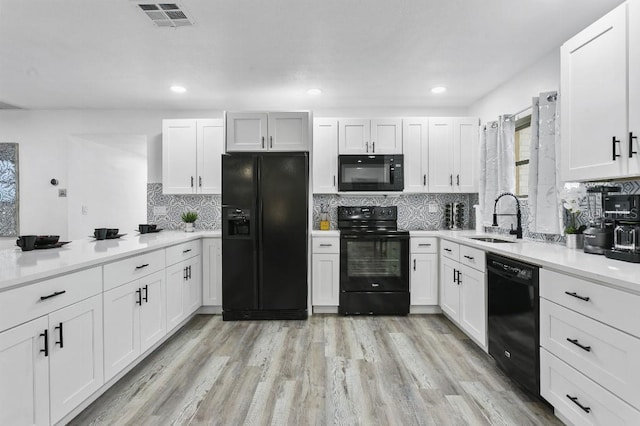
(375, 237)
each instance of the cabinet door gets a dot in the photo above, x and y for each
(634, 88)
(288, 131)
(415, 140)
(473, 306)
(449, 288)
(75, 362)
(465, 145)
(594, 99)
(153, 321)
(24, 368)
(121, 328)
(325, 156)
(424, 279)
(386, 136)
(325, 281)
(354, 136)
(192, 297)
(210, 147)
(176, 278)
(440, 155)
(246, 131)
(212, 272)
(178, 156)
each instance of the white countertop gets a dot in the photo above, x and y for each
(329, 233)
(18, 267)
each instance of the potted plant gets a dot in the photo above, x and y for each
(189, 218)
(572, 195)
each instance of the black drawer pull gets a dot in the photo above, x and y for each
(424, 245)
(186, 251)
(575, 342)
(146, 293)
(46, 342)
(326, 245)
(574, 399)
(446, 249)
(574, 294)
(142, 266)
(57, 293)
(60, 342)
(139, 293)
(469, 257)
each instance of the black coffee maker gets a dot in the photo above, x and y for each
(624, 211)
(598, 237)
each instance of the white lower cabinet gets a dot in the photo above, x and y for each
(24, 368)
(184, 290)
(134, 320)
(463, 290)
(423, 271)
(51, 364)
(212, 272)
(325, 271)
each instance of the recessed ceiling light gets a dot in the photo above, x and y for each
(439, 89)
(314, 92)
(178, 89)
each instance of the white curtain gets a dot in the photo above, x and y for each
(497, 169)
(545, 214)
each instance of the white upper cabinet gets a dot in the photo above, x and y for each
(272, 131)
(325, 155)
(191, 156)
(453, 158)
(600, 92)
(361, 136)
(415, 145)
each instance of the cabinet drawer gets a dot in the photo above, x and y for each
(326, 245)
(473, 257)
(450, 250)
(184, 251)
(605, 355)
(424, 245)
(132, 268)
(26, 303)
(616, 308)
(559, 382)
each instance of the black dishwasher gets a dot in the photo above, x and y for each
(513, 323)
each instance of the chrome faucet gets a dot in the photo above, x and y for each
(518, 231)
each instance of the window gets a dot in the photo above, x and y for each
(522, 144)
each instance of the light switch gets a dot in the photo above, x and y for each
(433, 208)
(159, 210)
(85, 210)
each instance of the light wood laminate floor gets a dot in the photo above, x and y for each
(328, 370)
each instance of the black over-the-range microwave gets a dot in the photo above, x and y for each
(370, 173)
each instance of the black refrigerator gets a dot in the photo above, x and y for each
(265, 216)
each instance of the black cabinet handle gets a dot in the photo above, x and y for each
(373, 147)
(614, 141)
(192, 181)
(61, 341)
(263, 142)
(334, 180)
(414, 264)
(469, 257)
(575, 342)
(574, 399)
(46, 342)
(459, 280)
(200, 181)
(458, 180)
(450, 180)
(189, 271)
(186, 251)
(57, 293)
(139, 293)
(146, 293)
(367, 145)
(184, 276)
(270, 141)
(574, 294)
(424, 245)
(142, 266)
(446, 249)
(631, 139)
(424, 180)
(326, 245)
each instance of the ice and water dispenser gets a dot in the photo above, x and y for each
(238, 223)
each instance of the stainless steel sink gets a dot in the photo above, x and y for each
(491, 240)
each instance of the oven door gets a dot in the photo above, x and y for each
(370, 173)
(374, 262)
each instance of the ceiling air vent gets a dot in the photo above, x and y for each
(165, 14)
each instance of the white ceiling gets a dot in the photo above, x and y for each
(265, 54)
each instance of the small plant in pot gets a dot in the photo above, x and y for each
(189, 219)
(571, 196)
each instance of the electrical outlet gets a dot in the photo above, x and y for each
(160, 210)
(433, 208)
(85, 210)
(62, 192)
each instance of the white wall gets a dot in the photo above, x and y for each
(516, 93)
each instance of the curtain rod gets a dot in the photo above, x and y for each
(507, 116)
